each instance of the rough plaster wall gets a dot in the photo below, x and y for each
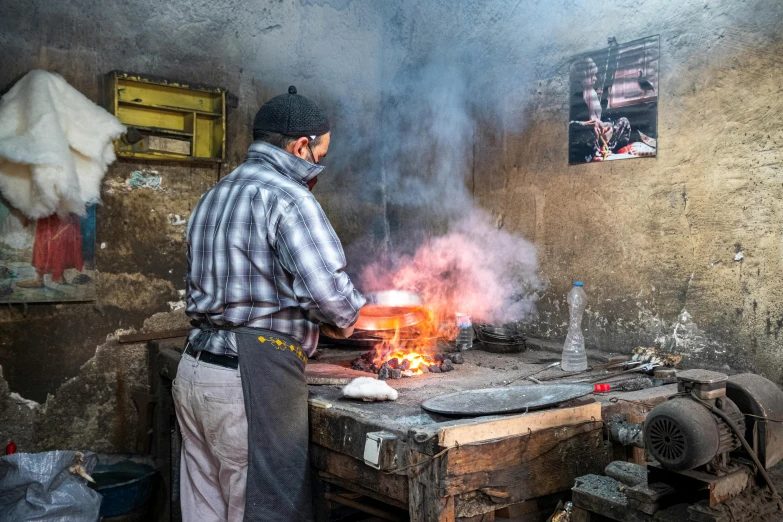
(255, 49)
(655, 240)
(92, 410)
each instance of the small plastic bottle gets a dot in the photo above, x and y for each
(574, 355)
(465, 335)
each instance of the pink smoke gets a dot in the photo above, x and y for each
(473, 268)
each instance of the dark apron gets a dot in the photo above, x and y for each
(271, 366)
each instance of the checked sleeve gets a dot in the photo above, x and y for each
(311, 252)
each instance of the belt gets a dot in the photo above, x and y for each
(226, 361)
(276, 340)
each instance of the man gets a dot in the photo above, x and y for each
(265, 270)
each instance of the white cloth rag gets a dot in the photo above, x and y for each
(369, 389)
(55, 146)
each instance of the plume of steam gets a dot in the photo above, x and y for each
(473, 267)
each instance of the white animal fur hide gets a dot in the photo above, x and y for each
(55, 146)
(369, 389)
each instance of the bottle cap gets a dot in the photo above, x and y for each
(578, 283)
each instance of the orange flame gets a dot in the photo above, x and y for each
(414, 351)
(417, 361)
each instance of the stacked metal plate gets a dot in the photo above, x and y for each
(499, 339)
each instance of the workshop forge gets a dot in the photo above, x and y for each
(450, 122)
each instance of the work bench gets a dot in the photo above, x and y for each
(389, 458)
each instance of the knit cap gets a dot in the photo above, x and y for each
(291, 115)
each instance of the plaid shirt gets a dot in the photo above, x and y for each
(261, 253)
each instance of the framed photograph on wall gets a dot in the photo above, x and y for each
(48, 260)
(614, 102)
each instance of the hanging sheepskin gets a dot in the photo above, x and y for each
(55, 146)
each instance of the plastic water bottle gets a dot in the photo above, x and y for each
(465, 335)
(574, 355)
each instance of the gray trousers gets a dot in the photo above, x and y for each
(275, 392)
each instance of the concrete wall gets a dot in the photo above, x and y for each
(654, 240)
(255, 50)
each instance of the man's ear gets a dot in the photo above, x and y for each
(299, 148)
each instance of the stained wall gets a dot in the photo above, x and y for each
(58, 355)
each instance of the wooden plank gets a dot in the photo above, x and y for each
(162, 428)
(358, 488)
(533, 510)
(425, 502)
(168, 363)
(593, 506)
(512, 451)
(383, 514)
(332, 374)
(161, 144)
(150, 336)
(532, 466)
(638, 455)
(478, 430)
(600, 495)
(344, 429)
(486, 517)
(580, 515)
(480, 502)
(640, 402)
(357, 472)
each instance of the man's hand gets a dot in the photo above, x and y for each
(335, 332)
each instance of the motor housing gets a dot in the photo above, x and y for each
(682, 434)
(760, 399)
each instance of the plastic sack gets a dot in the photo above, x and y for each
(47, 487)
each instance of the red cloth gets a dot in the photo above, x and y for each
(58, 245)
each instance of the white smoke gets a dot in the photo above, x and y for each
(442, 245)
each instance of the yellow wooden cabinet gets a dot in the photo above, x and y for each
(168, 120)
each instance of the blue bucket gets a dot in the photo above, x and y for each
(125, 481)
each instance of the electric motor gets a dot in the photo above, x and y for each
(682, 434)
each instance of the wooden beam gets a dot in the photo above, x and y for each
(332, 374)
(357, 472)
(599, 495)
(356, 504)
(344, 428)
(486, 517)
(532, 466)
(481, 430)
(426, 504)
(360, 489)
(151, 336)
(535, 509)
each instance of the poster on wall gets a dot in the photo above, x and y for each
(614, 102)
(48, 260)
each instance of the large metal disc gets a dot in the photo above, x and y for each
(496, 401)
(378, 317)
(390, 310)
